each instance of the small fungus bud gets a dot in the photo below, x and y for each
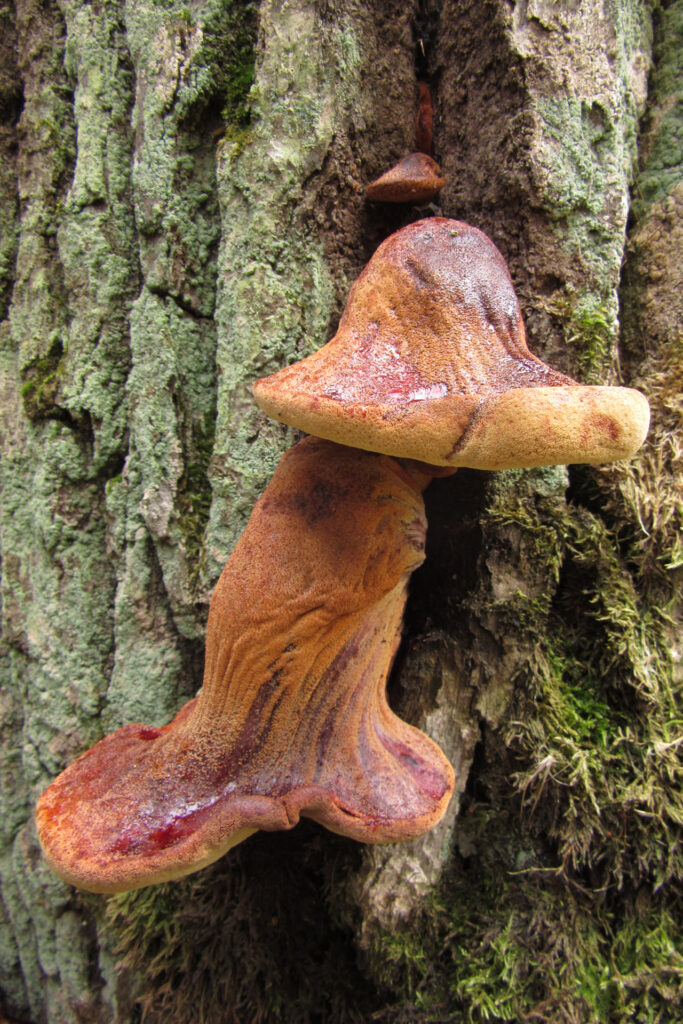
(415, 179)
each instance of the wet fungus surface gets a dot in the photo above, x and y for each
(292, 718)
(430, 362)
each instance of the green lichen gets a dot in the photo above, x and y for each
(585, 159)
(95, 232)
(278, 304)
(173, 337)
(579, 134)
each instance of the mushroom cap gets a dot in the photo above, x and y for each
(430, 362)
(292, 718)
(414, 179)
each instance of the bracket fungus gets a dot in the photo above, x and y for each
(430, 362)
(414, 179)
(292, 718)
(417, 177)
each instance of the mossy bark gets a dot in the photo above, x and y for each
(182, 211)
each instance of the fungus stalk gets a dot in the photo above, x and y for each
(292, 717)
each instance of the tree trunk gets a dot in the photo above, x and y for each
(181, 188)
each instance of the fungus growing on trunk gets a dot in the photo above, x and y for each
(417, 177)
(430, 362)
(292, 717)
(414, 179)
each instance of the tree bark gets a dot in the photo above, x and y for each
(181, 188)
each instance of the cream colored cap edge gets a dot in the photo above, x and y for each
(529, 427)
(521, 428)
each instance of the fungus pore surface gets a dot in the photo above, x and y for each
(292, 717)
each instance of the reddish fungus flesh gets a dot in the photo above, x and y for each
(424, 122)
(292, 718)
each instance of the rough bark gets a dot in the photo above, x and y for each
(176, 221)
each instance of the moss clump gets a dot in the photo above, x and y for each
(508, 940)
(239, 70)
(590, 331)
(644, 497)
(249, 939)
(41, 381)
(602, 701)
(238, 138)
(226, 59)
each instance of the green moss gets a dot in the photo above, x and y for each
(41, 380)
(562, 902)
(249, 939)
(573, 709)
(226, 58)
(194, 495)
(238, 138)
(642, 496)
(508, 939)
(240, 73)
(590, 329)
